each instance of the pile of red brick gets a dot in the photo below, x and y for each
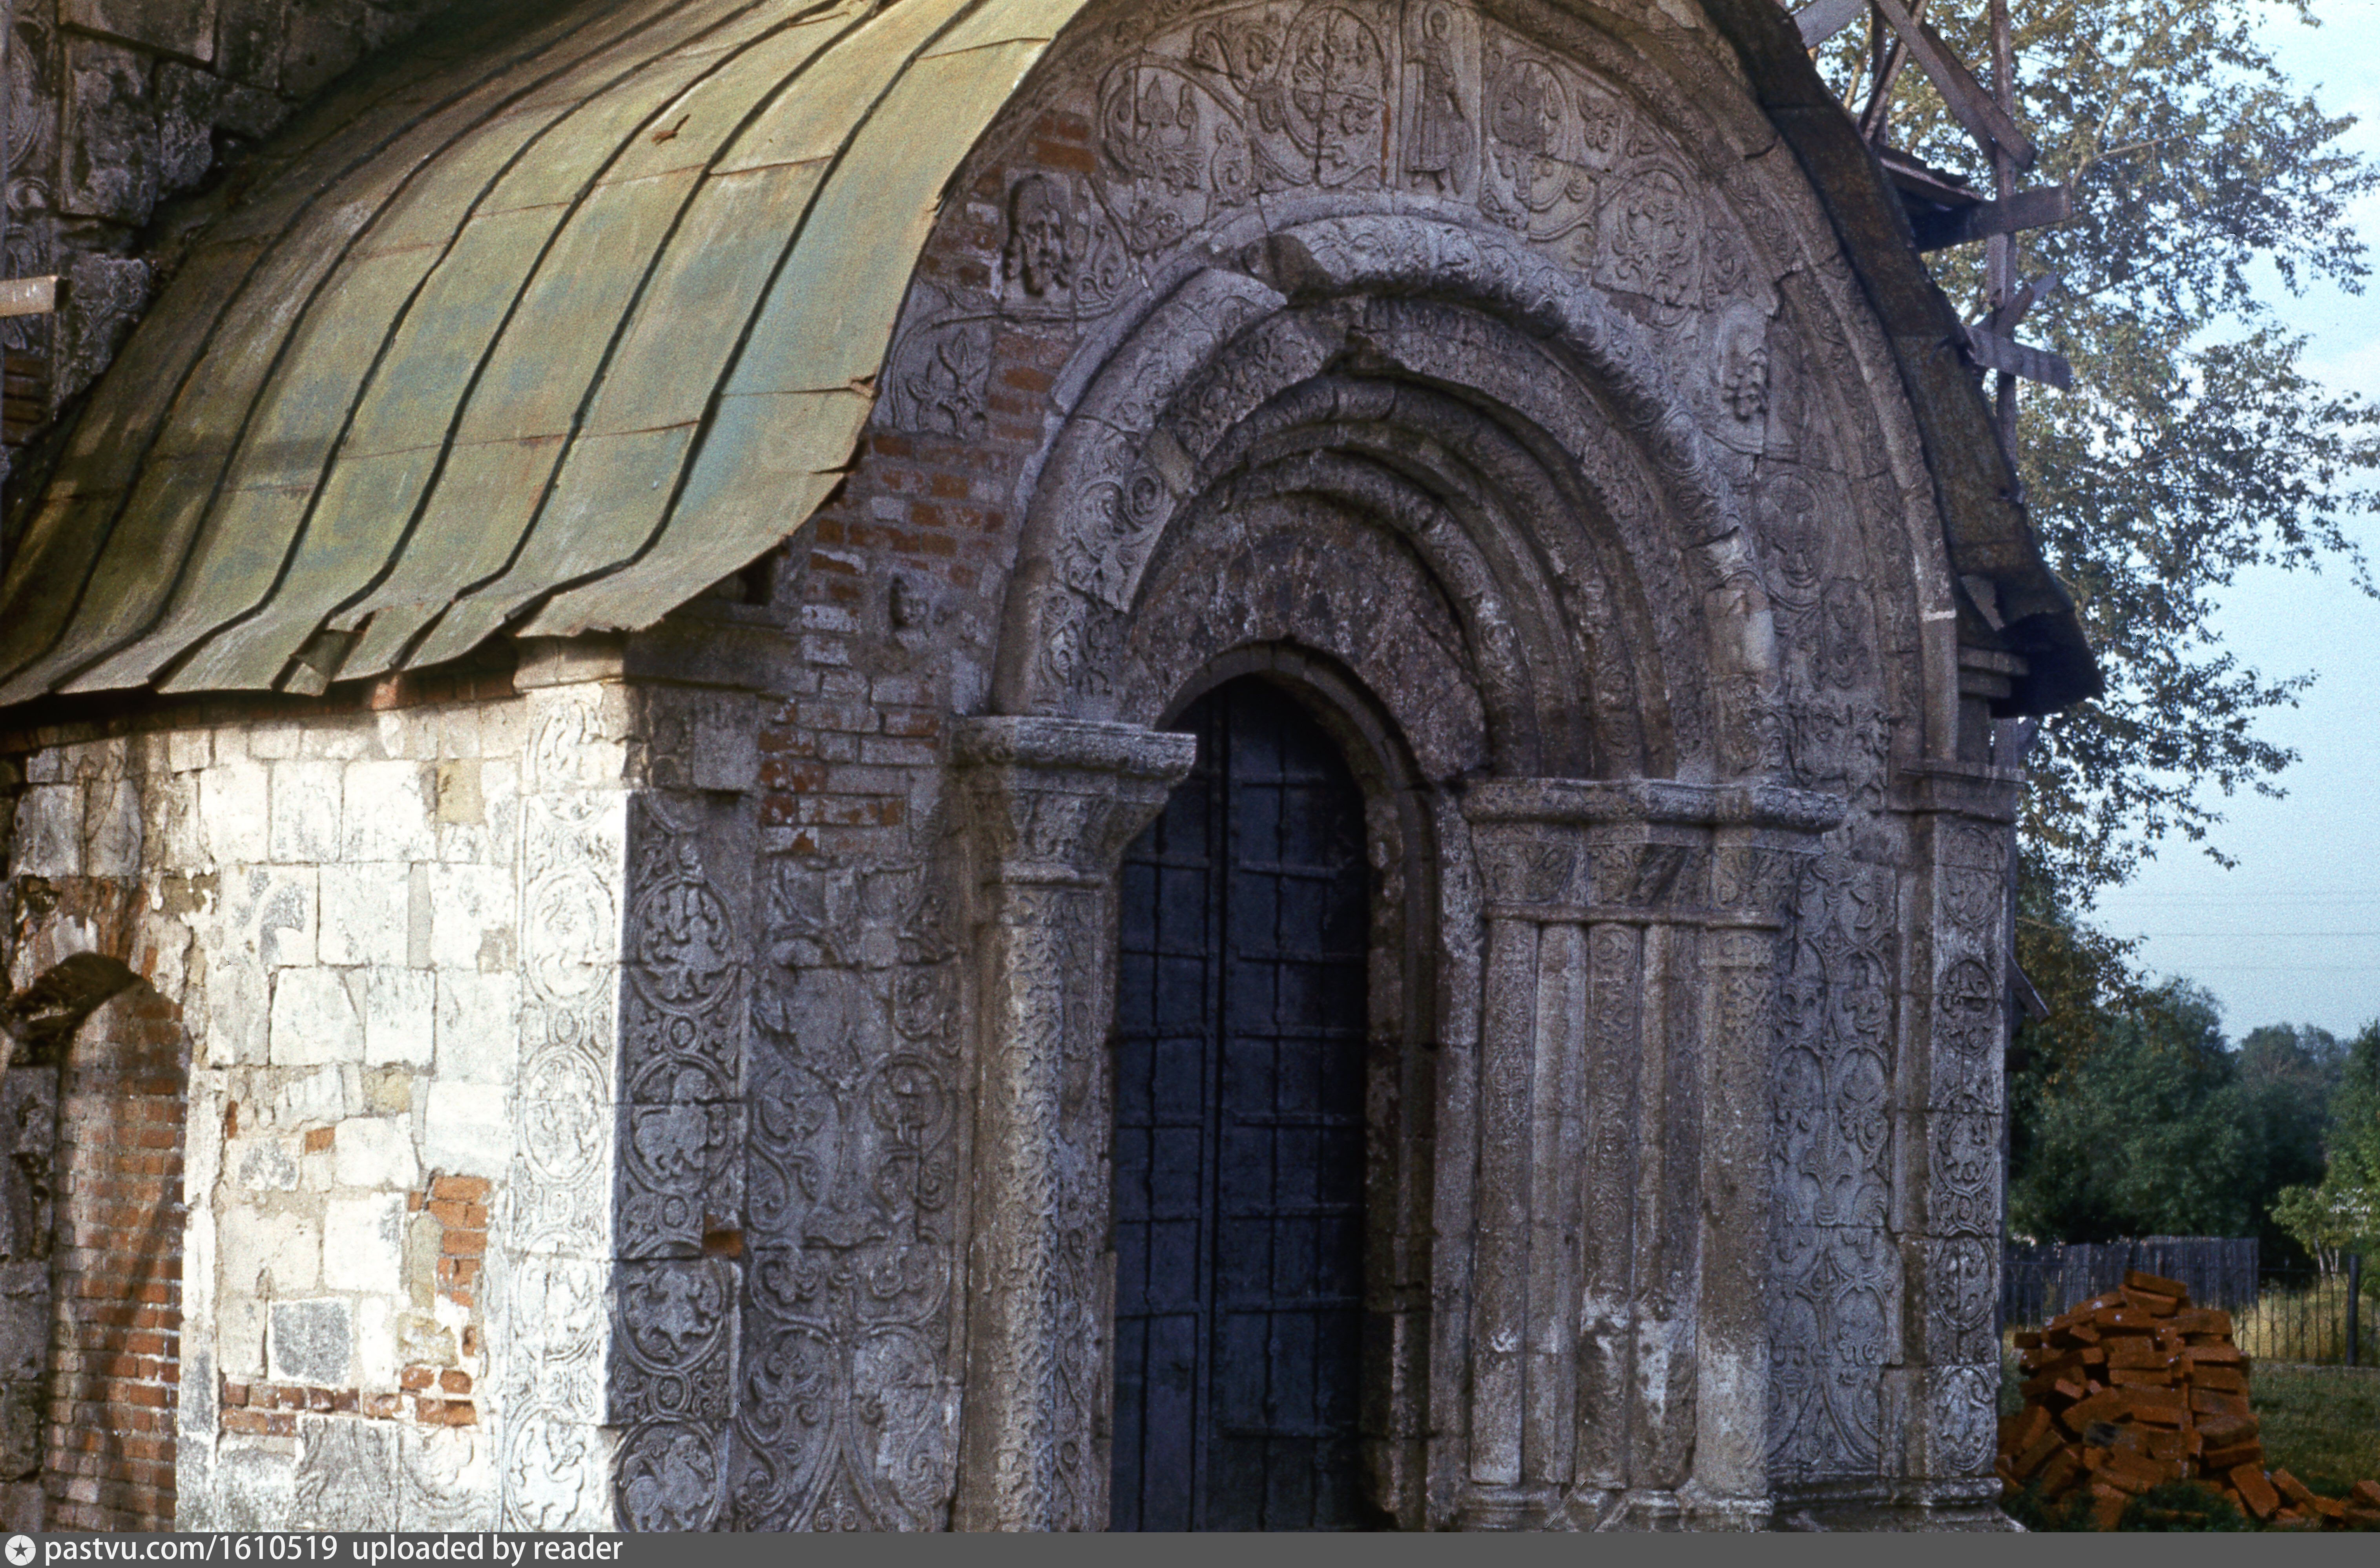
(2137, 1388)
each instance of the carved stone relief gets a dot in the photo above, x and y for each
(1837, 1268)
(848, 1404)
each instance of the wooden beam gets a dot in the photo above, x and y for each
(1994, 352)
(1911, 178)
(1972, 108)
(2027, 208)
(1821, 19)
(28, 297)
(2004, 319)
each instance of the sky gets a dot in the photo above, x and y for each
(2291, 933)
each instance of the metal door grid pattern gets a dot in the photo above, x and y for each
(1239, 1153)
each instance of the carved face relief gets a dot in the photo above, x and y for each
(1039, 255)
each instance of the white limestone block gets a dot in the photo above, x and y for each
(315, 1019)
(458, 731)
(376, 1357)
(179, 844)
(363, 913)
(478, 1027)
(112, 830)
(267, 1164)
(400, 1007)
(327, 1094)
(464, 1130)
(503, 728)
(471, 918)
(186, 751)
(363, 1242)
(49, 831)
(490, 839)
(269, 912)
(340, 742)
(234, 1027)
(235, 812)
(306, 810)
(267, 1253)
(311, 1341)
(386, 813)
(375, 1152)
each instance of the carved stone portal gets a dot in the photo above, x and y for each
(1052, 804)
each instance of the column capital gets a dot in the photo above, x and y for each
(1056, 800)
(1632, 850)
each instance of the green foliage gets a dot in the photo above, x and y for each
(2342, 1214)
(2193, 445)
(2144, 1135)
(2131, 1117)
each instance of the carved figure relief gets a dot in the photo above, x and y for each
(1439, 143)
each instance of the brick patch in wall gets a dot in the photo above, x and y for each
(435, 1396)
(109, 1444)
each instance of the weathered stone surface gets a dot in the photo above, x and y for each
(186, 27)
(347, 1474)
(311, 1341)
(716, 1084)
(363, 1242)
(111, 160)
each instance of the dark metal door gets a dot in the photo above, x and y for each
(1239, 1146)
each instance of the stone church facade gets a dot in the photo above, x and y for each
(586, 699)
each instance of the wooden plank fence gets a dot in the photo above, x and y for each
(2039, 1281)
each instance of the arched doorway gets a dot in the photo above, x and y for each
(1239, 1153)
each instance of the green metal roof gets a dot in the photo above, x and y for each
(550, 322)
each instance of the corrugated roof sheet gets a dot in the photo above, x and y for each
(552, 321)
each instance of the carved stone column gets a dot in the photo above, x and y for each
(1052, 804)
(1764, 838)
(1617, 1327)
(1940, 1405)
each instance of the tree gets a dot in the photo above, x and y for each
(2144, 1136)
(2343, 1214)
(2193, 445)
(2154, 1125)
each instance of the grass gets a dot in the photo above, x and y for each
(2322, 1424)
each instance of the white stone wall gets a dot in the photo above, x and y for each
(367, 922)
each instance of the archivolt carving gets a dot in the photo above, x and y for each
(1161, 413)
